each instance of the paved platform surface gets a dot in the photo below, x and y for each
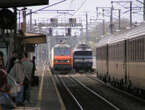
(45, 96)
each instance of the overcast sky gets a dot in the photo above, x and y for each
(81, 7)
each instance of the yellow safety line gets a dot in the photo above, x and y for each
(41, 85)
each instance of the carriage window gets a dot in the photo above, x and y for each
(143, 43)
(131, 50)
(142, 49)
(62, 51)
(139, 50)
(136, 50)
(128, 50)
(86, 53)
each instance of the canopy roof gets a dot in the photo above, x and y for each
(20, 3)
(34, 38)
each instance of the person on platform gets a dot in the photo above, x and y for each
(11, 61)
(28, 66)
(34, 67)
(5, 99)
(17, 73)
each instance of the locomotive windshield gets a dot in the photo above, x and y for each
(62, 51)
(83, 53)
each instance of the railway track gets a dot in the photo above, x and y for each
(123, 100)
(83, 97)
(117, 89)
(85, 92)
(67, 97)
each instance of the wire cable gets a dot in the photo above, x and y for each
(46, 7)
(80, 7)
(140, 1)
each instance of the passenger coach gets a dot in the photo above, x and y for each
(120, 59)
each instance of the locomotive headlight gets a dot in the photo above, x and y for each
(67, 61)
(56, 61)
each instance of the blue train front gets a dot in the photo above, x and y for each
(82, 58)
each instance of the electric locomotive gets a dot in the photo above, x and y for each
(120, 59)
(83, 60)
(61, 58)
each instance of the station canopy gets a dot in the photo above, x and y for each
(20, 3)
(34, 38)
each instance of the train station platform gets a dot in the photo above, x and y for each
(45, 96)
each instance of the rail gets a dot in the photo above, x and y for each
(96, 94)
(71, 94)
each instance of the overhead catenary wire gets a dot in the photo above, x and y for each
(46, 7)
(77, 9)
(122, 5)
(80, 7)
(43, 8)
(140, 1)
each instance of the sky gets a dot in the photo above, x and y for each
(82, 7)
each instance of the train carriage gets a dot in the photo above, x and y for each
(117, 61)
(125, 58)
(102, 61)
(136, 61)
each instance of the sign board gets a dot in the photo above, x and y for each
(20, 3)
(32, 38)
